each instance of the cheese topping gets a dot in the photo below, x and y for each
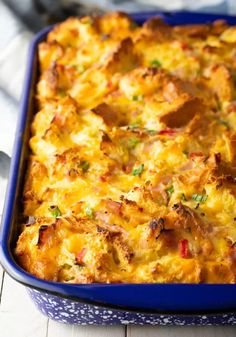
(132, 171)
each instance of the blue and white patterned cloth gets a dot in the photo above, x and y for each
(15, 37)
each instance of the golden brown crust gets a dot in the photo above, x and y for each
(132, 171)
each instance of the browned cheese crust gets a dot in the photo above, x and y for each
(132, 171)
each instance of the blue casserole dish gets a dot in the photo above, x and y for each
(161, 304)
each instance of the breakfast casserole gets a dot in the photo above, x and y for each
(131, 176)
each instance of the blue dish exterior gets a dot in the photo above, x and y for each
(73, 312)
(101, 303)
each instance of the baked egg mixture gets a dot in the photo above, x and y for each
(132, 172)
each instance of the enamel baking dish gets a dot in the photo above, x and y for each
(159, 304)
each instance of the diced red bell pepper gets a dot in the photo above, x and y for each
(195, 154)
(168, 132)
(184, 248)
(103, 178)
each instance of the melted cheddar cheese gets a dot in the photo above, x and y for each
(132, 171)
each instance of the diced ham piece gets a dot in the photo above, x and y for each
(114, 206)
(80, 256)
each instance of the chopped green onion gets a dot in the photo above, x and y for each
(137, 98)
(224, 122)
(87, 20)
(84, 165)
(155, 63)
(152, 132)
(133, 25)
(89, 212)
(199, 72)
(199, 197)
(81, 68)
(138, 170)
(134, 126)
(183, 197)
(61, 93)
(55, 211)
(186, 153)
(66, 266)
(133, 142)
(219, 105)
(79, 266)
(170, 190)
